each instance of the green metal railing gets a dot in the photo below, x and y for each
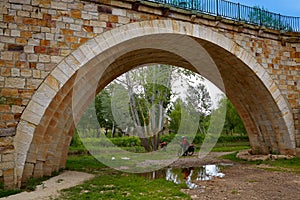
(238, 12)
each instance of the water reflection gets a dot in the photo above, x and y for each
(187, 175)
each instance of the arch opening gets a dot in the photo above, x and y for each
(111, 54)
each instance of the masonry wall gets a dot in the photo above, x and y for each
(35, 35)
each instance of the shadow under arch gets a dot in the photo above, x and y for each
(46, 125)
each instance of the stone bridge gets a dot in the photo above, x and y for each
(47, 44)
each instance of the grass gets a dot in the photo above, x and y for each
(112, 184)
(232, 146)
(124, 186)
(5, 193)
(286, 165)
(84, 163)
(291, 165)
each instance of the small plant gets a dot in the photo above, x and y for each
(6, 192)
(234, 191)
(60, 180)
(252, 181)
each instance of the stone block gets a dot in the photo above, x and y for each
(59, 5)
(26, 127)
(28, 171)
(76, 14)
(38, 173)
(20, 1)
(8, 158)
(48, 169)
(12, 82)
(4, 108)
(31, 157)
(60, 76)
(6, 132)
(9, 92)
(7, 165)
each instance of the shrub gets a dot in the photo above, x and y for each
(119, 141)
(76, 141)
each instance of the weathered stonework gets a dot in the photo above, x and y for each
(44, 44)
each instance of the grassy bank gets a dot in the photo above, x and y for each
(286, 165)
(112, 184)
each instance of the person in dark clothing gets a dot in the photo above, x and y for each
(184, 145)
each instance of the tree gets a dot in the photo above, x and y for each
(103, 110)
(263, 17)
(140, 101)
(233, 122)
(87, 124)
(201, 100)
(144, 95)
(175, 115)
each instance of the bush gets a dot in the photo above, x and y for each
(126, 141)
(119, 141)
(233, 138)
(167, 138)
(199, 138)
(76, 141)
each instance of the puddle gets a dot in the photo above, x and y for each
(187, 175)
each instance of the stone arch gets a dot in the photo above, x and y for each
(42, 138)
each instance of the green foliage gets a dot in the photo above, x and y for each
(126, 141)
(83, 163)
(197, 98)
(103, 108)
(232, 157)
(76, 141)
(6, 192)
(289, 165)
(230, 147)
(263, 17)
(233, 122)
(129, 141)
(2, 100)
(233, 138)
(135, 149)
(199, 138)
(175, 116)
(167, 138)
(226, 143)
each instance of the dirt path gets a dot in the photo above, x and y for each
(51, 187)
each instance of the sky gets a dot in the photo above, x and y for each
(283, 7)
